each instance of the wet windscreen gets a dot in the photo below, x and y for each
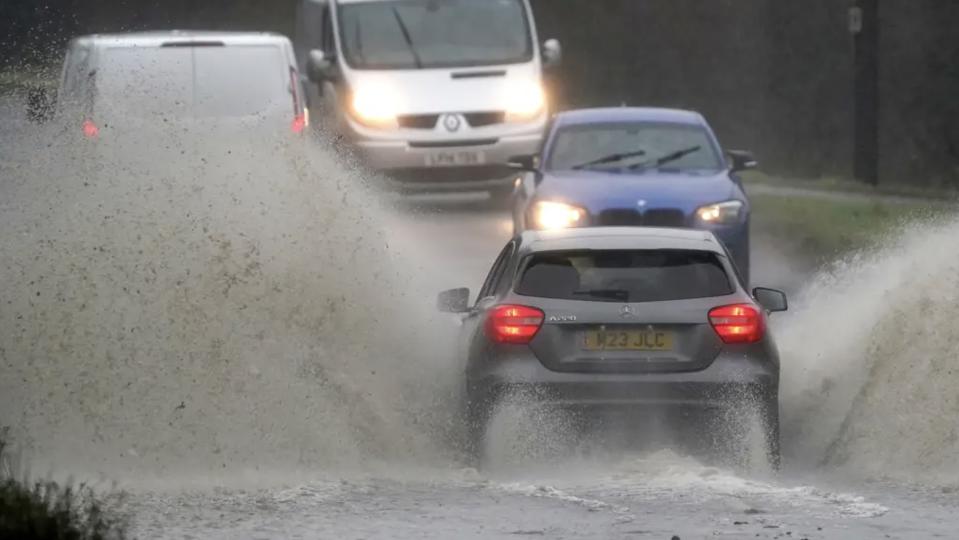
(577, 145)
(179, 82)
(409, 34)
(625, 276)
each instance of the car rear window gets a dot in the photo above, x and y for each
(625, 275)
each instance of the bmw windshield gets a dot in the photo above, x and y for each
(634, 146)
(411, 34)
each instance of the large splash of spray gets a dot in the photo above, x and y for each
(871, 361)
(191, 299)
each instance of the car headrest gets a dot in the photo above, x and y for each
(551, 279)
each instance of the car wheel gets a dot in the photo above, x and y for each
(478, 414)
(746, 436)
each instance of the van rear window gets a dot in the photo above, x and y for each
(625, 275)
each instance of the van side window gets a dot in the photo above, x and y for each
(76, 77)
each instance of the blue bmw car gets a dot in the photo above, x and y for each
(646, 167)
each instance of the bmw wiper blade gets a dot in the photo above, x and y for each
(406, 36)
(615, 294)
(668, 158)
(612, 158)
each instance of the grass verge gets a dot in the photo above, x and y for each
(849, 186)
(18, 80)
(821, 229)
(45, 510)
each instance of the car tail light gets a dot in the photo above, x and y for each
(90, 130)
(513, 324)
(739, 323)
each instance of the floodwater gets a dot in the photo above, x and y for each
(240, 334)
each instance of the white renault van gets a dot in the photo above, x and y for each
(437, 94)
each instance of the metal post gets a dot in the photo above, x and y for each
(864, 25)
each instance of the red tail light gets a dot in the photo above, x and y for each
(739, 323)
(513, 324)
(90, 130)
(299, 123)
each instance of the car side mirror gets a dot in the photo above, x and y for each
(40, 104)
(319, 66)
(742, 160)
(552, 53)
(454, 301)
(528, 163)
(772, 300)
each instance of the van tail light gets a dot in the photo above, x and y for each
(513, 324)
(299, 123)
(738, 323)
(90, 130)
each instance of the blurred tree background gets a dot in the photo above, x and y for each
(775, 76)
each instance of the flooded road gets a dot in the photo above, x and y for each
(244, 340)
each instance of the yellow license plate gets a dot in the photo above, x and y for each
(628, 340)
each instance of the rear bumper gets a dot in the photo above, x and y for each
(727, 382)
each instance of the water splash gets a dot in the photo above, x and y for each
(870, 361)
(196, 300)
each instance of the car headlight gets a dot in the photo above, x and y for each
(525, 102)
(557, 215)
(723, 213)
(375, 106)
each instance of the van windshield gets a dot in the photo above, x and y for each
(202, 82)
(411, 34)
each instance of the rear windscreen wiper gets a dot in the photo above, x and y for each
(406, 36)
(612, 158)
(614, 294)
(668, 158)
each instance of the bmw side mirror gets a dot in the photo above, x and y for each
(771, 300)
(454, 301)
(40, 104)
(319, 66)
(552, 53)
(742, 160)
(523, 163)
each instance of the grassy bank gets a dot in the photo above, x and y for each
(45, 510)
(823, 228)
(947, 191)
(18, 80)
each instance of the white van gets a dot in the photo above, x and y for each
(437, 94)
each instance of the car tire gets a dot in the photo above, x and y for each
(745, 436)
(478, 415)
(769, 417)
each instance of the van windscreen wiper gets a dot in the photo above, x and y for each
(406, 36)
(612, 158)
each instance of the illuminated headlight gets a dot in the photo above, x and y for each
(525, 102)
(375, 107)
(723, 213)
(556, 215)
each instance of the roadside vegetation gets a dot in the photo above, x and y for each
(45, 510)
(821, 227)
(15, 80)
(944, 192)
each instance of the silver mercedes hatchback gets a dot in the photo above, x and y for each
(626, 322)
